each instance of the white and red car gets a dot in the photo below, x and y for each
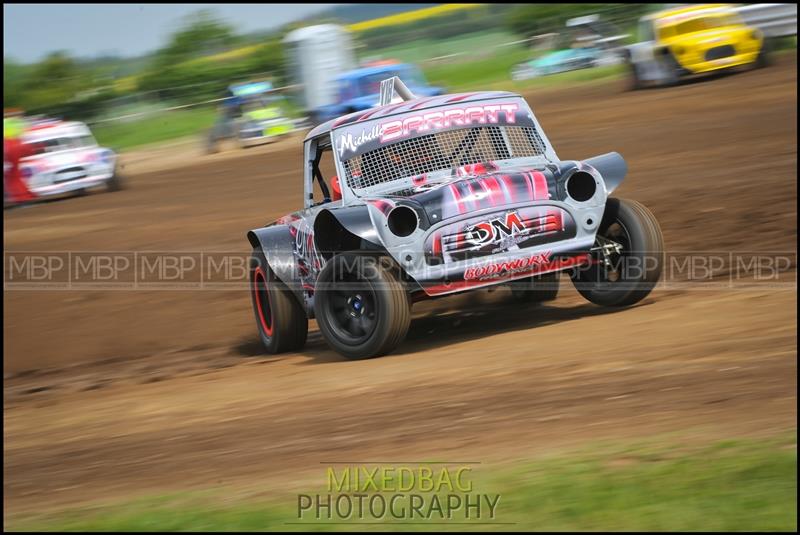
(67, 159)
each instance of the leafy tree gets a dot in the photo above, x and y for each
(202, 33)
(57, 85)
(50, 83)
(14, 75)
(268, 58)
(180, 71)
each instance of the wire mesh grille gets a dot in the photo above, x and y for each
(441, 151)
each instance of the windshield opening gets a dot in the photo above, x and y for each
(57, 144)
(438, 156)
(576, 37)
(699, 24)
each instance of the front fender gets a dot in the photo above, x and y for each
(344, 228)
(612, 167)
(277, 243)
(639, 52)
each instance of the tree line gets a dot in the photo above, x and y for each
(186, 70)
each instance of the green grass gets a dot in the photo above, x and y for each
(494, 72)
(165, 126)
(162, 126)
(486, 70)
(484, 67)
(423, 49)
(476, 74)
(596, 74)
(732, 485)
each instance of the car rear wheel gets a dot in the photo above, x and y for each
(116, 182)
(361, 306)
(211, 143)
(627, 256)
(635, 80)
(763, 59)
(281, 321)
(536, 289)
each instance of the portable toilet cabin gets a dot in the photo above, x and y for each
(317, 55)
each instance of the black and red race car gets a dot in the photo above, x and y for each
(430, 196)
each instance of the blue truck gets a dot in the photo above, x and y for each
(359, 89)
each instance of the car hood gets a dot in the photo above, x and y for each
(708, 38)
(263, 114)
(479, 187)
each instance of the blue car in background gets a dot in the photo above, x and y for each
(360, 89)
(588, 42)
(559, 61)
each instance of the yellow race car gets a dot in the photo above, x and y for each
(694, 39)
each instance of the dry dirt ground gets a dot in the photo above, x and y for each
(117, 393)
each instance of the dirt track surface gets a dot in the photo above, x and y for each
(118, 393)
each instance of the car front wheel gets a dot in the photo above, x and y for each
(627, 257)
(635, 80)
(361, 306)
(670, 70)
(116, 182)
(763, 59)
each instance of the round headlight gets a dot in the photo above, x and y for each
(581, 186)
(402, 221)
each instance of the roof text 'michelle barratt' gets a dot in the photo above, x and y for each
(433, 120)
(426, 122)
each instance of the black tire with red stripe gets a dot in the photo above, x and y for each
(281, 321)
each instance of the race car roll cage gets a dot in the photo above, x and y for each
(314, 148)
(319, 146)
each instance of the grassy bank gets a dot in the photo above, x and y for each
(477, 73)
(733, 485)
(166, 126)
(162, 126)
(489, 72)
(424, 49)
(495, 74)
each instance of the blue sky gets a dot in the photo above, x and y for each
(32, 30)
